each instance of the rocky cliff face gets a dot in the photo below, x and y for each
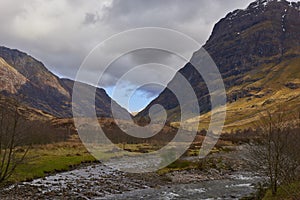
(266, 31)
(28, 79)
(246, 46)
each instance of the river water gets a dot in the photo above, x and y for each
(101, 182)
(234, 187)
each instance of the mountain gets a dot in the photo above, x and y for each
(25, 78)
(11, 80)
(257, 51)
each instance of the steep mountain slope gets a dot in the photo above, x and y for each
(28, 79)
(103, 102)
(27, 112)
(10, 79)
(257, 51)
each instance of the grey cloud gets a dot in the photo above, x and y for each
(151, 90)
(91, 18)
(140, 57)
(193, 17)
(62, 32)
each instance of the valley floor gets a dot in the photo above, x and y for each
(215, 180)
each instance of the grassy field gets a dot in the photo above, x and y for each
(42, 160)
(289, 192)
(45, 159)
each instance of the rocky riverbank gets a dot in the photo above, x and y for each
(99, 181)
(84, 183)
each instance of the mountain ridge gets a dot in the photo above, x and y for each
(246, 45)
(251, 48)
(42, 89)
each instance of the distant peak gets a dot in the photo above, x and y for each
(260, 6)
(259, 3)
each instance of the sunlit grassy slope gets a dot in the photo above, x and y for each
(279, 86)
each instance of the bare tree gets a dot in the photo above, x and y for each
(11, 136)
(276, 154)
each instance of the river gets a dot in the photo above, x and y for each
(236, 186)
(100, 182)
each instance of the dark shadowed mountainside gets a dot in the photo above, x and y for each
(257, 51)
(26, 78)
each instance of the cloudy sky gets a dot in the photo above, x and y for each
(61, 33)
